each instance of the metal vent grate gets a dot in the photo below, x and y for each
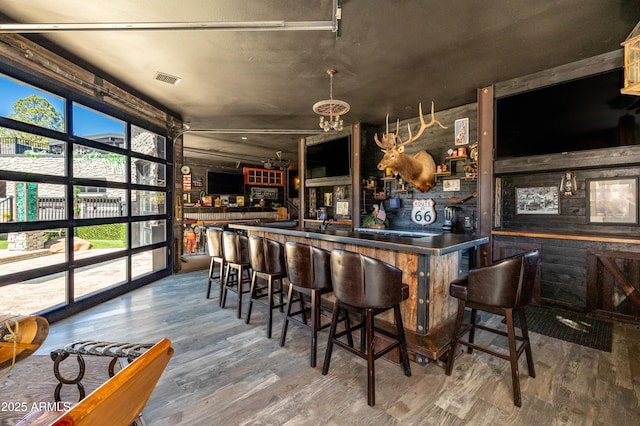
(167, 78)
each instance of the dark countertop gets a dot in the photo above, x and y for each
(439, 244)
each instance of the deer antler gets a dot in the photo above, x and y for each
(423, 126)
(388, 141)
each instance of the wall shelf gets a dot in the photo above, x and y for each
(437, 174)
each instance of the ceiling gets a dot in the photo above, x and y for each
(390, 55)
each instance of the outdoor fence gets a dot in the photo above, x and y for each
(51, 208)
(6, 209)
(12, 145)
(54, 208)
(100, 207)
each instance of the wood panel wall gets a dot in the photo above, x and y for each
(570, 236)
(563, 266)
(435, 141)
(572, 214)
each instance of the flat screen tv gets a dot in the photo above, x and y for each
(329, 159)
(225, 183)
(587, 113)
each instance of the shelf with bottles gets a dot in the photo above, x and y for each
(398, 186)
(450, 167)
(387, 186)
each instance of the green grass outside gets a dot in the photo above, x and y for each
(4, 244)
(106, 244)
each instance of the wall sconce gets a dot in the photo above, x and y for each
(632, 63)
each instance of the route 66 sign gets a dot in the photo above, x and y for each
(423, 212)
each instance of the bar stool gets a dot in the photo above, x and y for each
(308, 269)
(370, 287)
(235, 248)
(214, 246)
(267, 262)
(502, 289)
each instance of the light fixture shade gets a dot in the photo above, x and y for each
(332, 108)
(632, 63)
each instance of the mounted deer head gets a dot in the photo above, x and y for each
(418, 170)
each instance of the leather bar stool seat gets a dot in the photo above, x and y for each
(214, 247)
(236, 256)
(504, 288)
(370, 287)
(309, 273)
(267, 263)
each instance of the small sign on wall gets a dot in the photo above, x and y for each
(451, 185)
(342, 208)
(197, 182)
(186, 182)
(264, 193)
(423, 212)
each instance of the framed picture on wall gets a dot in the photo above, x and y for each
(612, 201)
(537, 200)
(328, 199)
(462, 131)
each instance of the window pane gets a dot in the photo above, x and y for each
(148, 262)
(146, 142)
(26, 152)
(99, 127)
(94, 204)
(147, 202)
(98, 164)
(25, 103)
(147, 172)
(25, 250)
(30, 202)
(148, 232)
(97, 277)
(29, 297)
(100, 239)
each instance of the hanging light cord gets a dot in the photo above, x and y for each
(331, 72)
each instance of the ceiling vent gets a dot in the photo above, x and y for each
(167, 78)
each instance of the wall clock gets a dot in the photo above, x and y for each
(185, 170)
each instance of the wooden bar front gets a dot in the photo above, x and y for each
(429, 311)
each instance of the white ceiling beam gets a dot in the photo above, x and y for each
(160, 26)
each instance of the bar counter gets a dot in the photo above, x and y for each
(429, 261)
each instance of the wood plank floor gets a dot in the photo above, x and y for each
(225, 372)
